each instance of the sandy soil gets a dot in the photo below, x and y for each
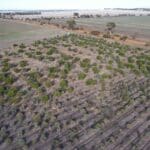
(47, 28)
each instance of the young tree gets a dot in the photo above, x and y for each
(71, 24)
(110, 26)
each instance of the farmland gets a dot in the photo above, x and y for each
(128, 25)
(17, 32)
(74, 92)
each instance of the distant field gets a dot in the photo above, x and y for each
(125, 25)
(14, 32)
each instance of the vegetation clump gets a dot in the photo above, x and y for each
(81, 76)
(91, 82)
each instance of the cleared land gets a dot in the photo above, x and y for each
(75, 92)
(16, 32)
(131, 25)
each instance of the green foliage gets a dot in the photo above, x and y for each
(130, 59)
(22, 46)
(45, 98)
(51, 51)
(110, 26)
(57, 93)
(85, 63)
(91, 82)
(121, 52)
(70, 89)
(71, 24)
(33, 82)
(11, 92)
(106, 36)
(123, 38)
(81, 76)
(67, 66)
(95, 70)
(37, 118)
(63, 84)
(2, 90)
(53, 71)
(105, 76)
(23, 63)
(7, 78)
(6, 66)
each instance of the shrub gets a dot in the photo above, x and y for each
(106, 36)
(71, 23)
(57, 93)
(63, 84)
(67, 66)
(105, 76)
(81, 76)
(91, 82)
(51, 51)
(85, 63)
(95, 70)
(11, 92)
(130, 59)
(34, 83)
(45, 98)
(23, 63)
(37, 118)
(109, 67)
(130, 65)
(53, 71)
(8, 79)
(38, 53)
(49, 83)
(20, 51)
(123, 38)
(15, 45)
(6, 67)
(121, 52)
(22, 45)
(2, 90)
(95, 32)
(70, 89)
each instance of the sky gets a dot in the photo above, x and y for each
(72, 4)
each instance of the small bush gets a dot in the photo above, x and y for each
(95, 33)
(53, 71)
(81, 76)
(11, 92)
(63, 84)
(51, 51)
(45, 98)
(22, 45)
(106, 36)
(70, 89)
(85, 63)
(91, 82)
(123, 38)
(57, 93)
(23, 63)
(95, 70)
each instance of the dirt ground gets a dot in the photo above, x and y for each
(15, 33)
(12, 31)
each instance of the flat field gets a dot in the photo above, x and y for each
(17, 32)
(130, 25)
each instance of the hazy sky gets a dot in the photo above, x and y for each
(72, 4)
